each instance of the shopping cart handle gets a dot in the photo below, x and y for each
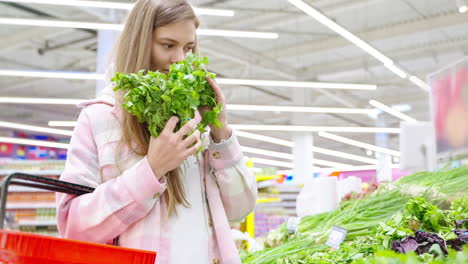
(42, 183)
(38, 182)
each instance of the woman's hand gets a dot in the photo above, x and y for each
(170, 149)
(224, 132)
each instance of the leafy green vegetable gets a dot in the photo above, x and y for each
(375, 221)
(153, 97)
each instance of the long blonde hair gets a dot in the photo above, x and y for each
(133, 53)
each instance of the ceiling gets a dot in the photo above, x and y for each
(420, 35)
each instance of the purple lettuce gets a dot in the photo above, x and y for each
(462, 236)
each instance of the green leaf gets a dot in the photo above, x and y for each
(153, 97)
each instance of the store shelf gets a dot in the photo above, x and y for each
(267, 177)
(268, 200)
(264, 184)
(30, 205)
(37, 222)
(288, 196)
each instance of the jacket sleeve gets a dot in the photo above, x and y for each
(237, 184)
(115, 204)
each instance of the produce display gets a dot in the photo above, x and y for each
(153, 97)
(418, 219)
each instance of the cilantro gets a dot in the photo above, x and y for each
(153, 97)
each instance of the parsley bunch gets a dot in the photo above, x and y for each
(153, 97)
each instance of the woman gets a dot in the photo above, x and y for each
(155, 193)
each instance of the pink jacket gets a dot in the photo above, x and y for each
(127, 201)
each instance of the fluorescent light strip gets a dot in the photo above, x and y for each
(35, 128)
(388, 63)
(59, 23)
(119, 27)
(235, 33)
(272, 162)
(317, 129)
(391, 111)
(344, 155)
(62, 123)
(340, 30)
(274, 154)
(289, 84)
(358, 168)
(32, 142)
(420, 83)
(329, 163)
(298, 109)
(356, 143)
(288, 156)
(264, 138)
(395, 69)
(53, 74)
(116, 5)
(314, 149)
(96, 76)
(24, 100)
(291, 166)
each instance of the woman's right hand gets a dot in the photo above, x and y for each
(170, 149)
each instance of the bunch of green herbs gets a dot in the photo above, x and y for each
(153, 97)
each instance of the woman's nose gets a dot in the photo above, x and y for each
(178, 55)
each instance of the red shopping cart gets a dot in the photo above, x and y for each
(25, 248)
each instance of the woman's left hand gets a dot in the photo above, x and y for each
(225, 131)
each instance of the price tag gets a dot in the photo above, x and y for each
(336, 237)
(292, 224)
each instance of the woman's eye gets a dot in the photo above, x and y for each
(168, 46)
(188, 48)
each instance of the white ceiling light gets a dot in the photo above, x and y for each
(317, 129)
(388, 63)
(391, 111)
(275, 108)
(23, 100)
(358, 168)
(420, 83)
(62, 123)
(264, 138)
(53, 74)
(395, 69)
(273, 162)
(116, 5)
(344, 155)
(31, 142)
(463, 9)
(274, 154)
(96, 76)
(58, 23)
(35, 128)
(314, 149)
(340, 30)
(356, 143)
(288, 156)
(213, 12)
(291, 166)
(119, 27)
(289, 84)
(329, 163)
(236, 33)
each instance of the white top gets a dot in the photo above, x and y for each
(188, 229)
